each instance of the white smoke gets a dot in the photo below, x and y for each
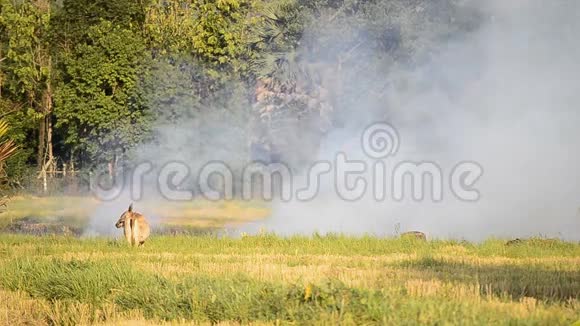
(506, 97)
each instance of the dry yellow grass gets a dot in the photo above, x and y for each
(358, 271)
(18, 308)
(436, 281)
(447, 273)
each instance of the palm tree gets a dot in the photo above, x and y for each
(7, 147)
(291, 109)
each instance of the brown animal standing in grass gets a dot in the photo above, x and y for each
(136, 228)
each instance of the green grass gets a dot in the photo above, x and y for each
(199, 277)
(298, 280)
(236, 298)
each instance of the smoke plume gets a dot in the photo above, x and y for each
(504, 95)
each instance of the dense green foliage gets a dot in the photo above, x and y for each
(96, 105)
(83, 82)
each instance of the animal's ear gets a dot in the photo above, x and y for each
(130, 208)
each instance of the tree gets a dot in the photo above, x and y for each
(29, 67)
(216, 32)
(320, 60)
(75, 17)
(282, 72)
(292, 110)
(96, 107)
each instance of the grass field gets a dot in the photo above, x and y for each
(266, 279)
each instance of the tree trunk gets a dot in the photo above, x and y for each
(72, 163)
(45, 156)
(44, 182)
(50, 157)
(41, 143)
(48, 117)
(46, 127)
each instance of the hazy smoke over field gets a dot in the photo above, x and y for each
(506, 96)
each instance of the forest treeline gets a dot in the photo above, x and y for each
(83, 82)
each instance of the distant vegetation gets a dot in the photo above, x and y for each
(84, 82)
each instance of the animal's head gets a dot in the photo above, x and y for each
(124, 217)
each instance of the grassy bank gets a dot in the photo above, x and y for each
(267, 279)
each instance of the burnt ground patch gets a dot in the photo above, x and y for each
(39, 226)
